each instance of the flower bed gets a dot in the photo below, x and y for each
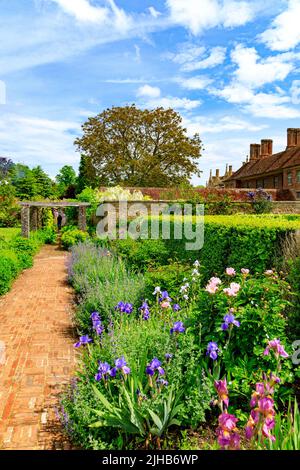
(156, 365)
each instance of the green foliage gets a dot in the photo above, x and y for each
(9, 210)
(72, 237)
(287, 429)
(134, 147)
(65, 179)
(31, 183)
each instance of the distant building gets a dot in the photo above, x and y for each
(266, 170)
(218, 181)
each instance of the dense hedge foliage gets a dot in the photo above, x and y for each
(17, 254)
(257, 242)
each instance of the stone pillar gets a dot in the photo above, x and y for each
(82, 218)
(39, 218)
(25, 220)
(34, 219)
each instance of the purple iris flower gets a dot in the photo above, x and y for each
(229, 319)
(124, 307)
(165, 296)
(82, 341)
(212, 350)
(176, 308)
(154, 365)
(162, 381)
(103, 371)
(168, 356)
(97, 323)
(178, 327)
(145, 311)
(121, 364)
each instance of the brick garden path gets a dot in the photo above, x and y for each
(36, 328)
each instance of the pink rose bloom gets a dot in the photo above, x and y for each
(230, 272)
(245, 271)
(215, 280)
(232, 290)
(269, 272)
(165, 305)
(211, 288)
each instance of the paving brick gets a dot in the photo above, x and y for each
(35, 326)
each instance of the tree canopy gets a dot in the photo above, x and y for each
(127, 145)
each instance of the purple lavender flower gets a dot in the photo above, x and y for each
(178, 327)
(82, 341)
(155, 365)
(176, 308)
(229, 319)
(212, 350)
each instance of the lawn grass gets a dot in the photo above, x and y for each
(9, 233)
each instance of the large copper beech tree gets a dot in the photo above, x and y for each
(127, 145)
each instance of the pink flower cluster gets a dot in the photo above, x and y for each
(213, 285)
(232, 290)
(227, 432)
(277, 348)
(262, 416)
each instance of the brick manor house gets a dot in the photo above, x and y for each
(266, 170)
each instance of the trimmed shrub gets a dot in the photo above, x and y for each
(73, 237)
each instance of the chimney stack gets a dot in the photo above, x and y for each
(254, 152)
(266, 148)
(230, 170)
(217, 173)
(226, 172)
(293, 138)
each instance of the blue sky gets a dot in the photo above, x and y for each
(231, 68)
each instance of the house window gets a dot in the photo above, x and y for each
(290, 178)
(298, 176)
(260, 184)
(276, 182)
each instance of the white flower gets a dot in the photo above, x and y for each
(157, 290)
(195, 272)
(196, 264)
(186, 297)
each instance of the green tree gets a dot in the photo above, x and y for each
(23, 180)
(65, 179)
(43, 183)
(86, 176)
(127, 145)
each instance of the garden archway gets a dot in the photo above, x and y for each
(31, 210)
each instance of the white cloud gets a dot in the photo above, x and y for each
(295, 92)
(40, 141)
(194, 83)
(200, 15)
(216, 57)
(284, 33)
(2, 92)
(204, 125)
(254, 71)
(83, 10)
(151, 98)
(148, 91)
(153, 12)
(194, 57)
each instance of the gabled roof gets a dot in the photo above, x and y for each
(271, 164)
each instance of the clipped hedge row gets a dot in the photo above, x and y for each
(257, 242)
(17, 255)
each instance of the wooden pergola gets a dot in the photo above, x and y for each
(31, 213)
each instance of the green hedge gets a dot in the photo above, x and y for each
(17, 254)
(254, 242)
